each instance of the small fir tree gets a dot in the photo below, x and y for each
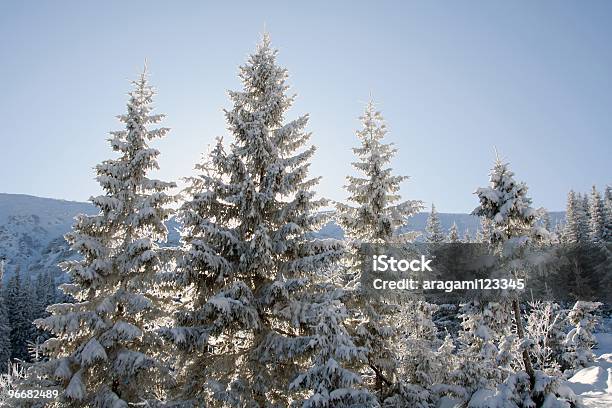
(597, 219)
(433, 229)
(453, 234)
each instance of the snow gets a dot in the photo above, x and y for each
(594, 384)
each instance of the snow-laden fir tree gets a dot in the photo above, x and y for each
(580, 340)
(608, 214)
(20, 307)
(585, 211)
(483, 324)
(544, 218)
(483, 235)
(544, 222)
(467, 237)
(546, 329)
(258, 326)
(374, 215)
(506, 204)
(597, 217)
(426, 365)
(5, 328)
(572, 232)
(433, 229)
(105, 351)
(453, 234)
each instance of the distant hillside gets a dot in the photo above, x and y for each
(32, 229)
(465, 222)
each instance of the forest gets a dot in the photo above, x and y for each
(252, 309)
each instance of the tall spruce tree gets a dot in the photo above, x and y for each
(467, 237)
(20, 312)
(608, 214)
(5, 328)
(597, 217)
(483, 235)
(375, 215)
(258, 326)
(572, 232)
(506, 204)
(105, 351)
(433, 229)
(453, 234)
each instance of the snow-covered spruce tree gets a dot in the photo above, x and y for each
(467, 237)
(483, 325)
(546, 328)
(257, 326)
(20, 311)
(5, 328)
(572, 232)
(597, 217)
(608, 214)
(453, 234)
(426, 365)
(374, 215)
(483, 235)
(433, 229)
(105, 351)
(580, 340)
(506, 204)
(543, 221)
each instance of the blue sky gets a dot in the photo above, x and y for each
(453, 79)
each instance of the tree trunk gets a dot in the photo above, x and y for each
(521, 335)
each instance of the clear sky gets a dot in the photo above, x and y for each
(453, 79)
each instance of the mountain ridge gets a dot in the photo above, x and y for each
(32, 229)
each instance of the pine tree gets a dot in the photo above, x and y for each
(545, 328)
(453, 234)
(43, 293)
(375, 215)
(597, 217)
(425, 365)
(572, 232)
(480, 323)
(585, 216)
(5, 328)
(19, 305)
(506, 204)
(258, 325)
(580, 340)
(105, 351)
(608, 214)
(433, 229)
(467, 238)
(483, 235)
(545, 219)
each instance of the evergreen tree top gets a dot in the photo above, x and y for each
(506, 204)
(433, 227)
(375, 214)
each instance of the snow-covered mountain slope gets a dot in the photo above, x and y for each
(465, 222)
(32, 229)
